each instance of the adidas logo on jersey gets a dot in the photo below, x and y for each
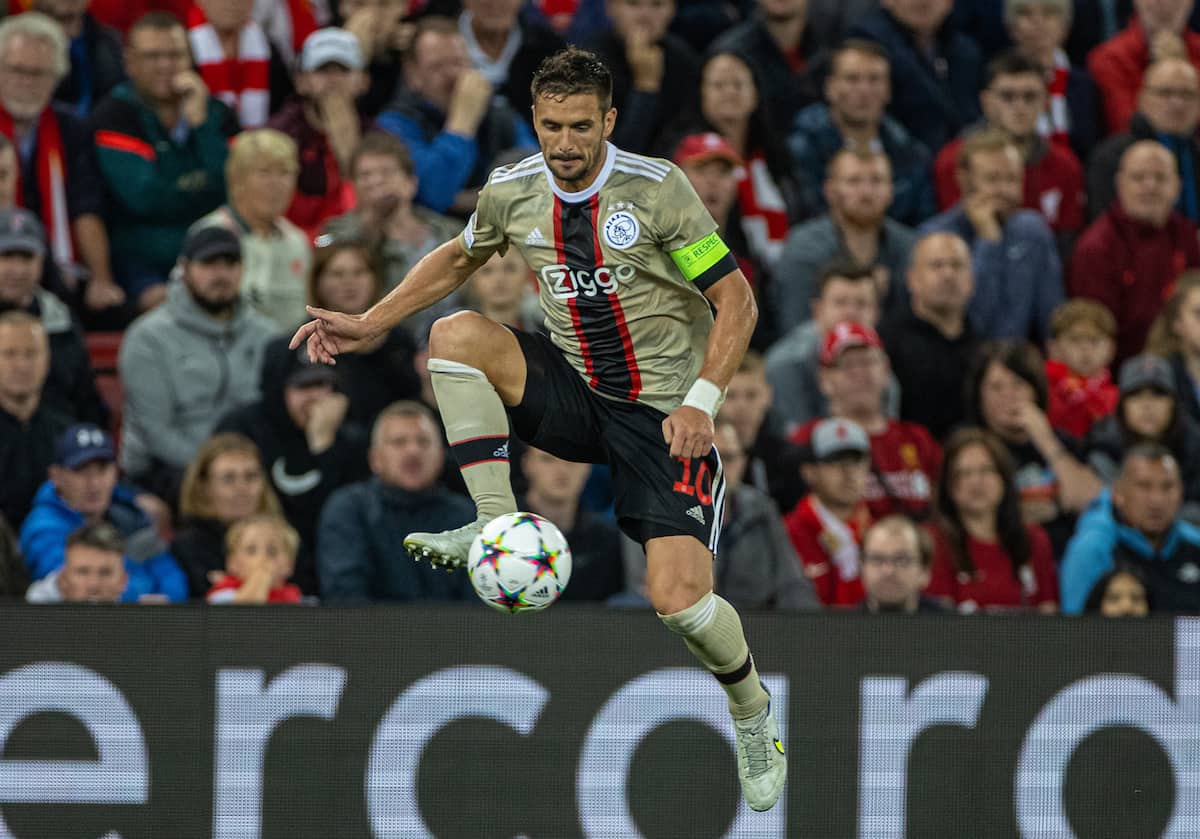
(535, 237)
(697, 513)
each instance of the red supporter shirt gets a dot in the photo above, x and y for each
(1075, 402)
(907, 459)
(223, 592)
(816, 546)
(1117, 66)
(994, 586)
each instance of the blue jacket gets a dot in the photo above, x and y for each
(1101, 541)
(1018, 280)
(151, 569)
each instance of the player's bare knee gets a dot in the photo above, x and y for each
(673, 592)
(456, 337)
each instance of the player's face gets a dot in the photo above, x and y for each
(234, 486)
(87, 489)
(572, 131)
(407, 452)
(90, 575)
(976, 486)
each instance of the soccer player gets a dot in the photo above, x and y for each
(630, 268)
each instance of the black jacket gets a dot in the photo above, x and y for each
(89, 82)
(26, 452)
(199, 548)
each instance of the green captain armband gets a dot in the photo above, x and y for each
(704, 262)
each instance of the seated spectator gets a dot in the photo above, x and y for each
(826, 526)
(772, 463)
(503, 290)
(932, 343)
(905, 459)
(1137, 524)
(1175, 336)
(299, 425)
(490, 30)
(93, 569)
(13, 578)
(188, 362)
(70, 387)
(224, 484)
(260, 556)
(363, 525)
(1081, 346)
(1169, 113)
(1159, 31)
(1006, 395)
(896, 560)
(161, 141)
(261, 176)
(323, 120)
(986, 557)
(847, 292)
(929, 100)
(1130, 257)
(857, 92)
(1121, 593)
(447, 116)
(95, 52)
(858, 190)
(83, 489)
(383, 33)
(29, 428)
(656, 75)
(756, 565)
(1018, 275)
(59, 180)
(1013, 99)
(1071, 114)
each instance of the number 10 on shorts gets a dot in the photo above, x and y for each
(701, 487)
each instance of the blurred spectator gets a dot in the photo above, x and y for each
(93, 569)
(29, 429)
(772, 463)
(931, 345)
(323, 120)
(1159, 31)
(187, 363)
(506, 49)
(1081, 346)
(13, 578)
(260, 555)
(857, 91)
(95, 52)
(1007, 395)
(161, 143)
(858, 189)
(1137, 524)
(70, 387)
(447, 116)
(756, 565)
(896, 560)
(1169, 112)
(59, 179)
(384, 35)
(223, 484)
(309, 449)
(553, 493)
(1012, 100)
(1071, 115)
(1018, 275)
(776, 42)
(1129, 258)
(261, 177)
(905, 459)
(847, 292)
(83, 489)
(1176, 337)
(825, 527)
(986, 557)
(927, 99)
(502, 290)
(656, 75)
(1121, 593)
(363, 525)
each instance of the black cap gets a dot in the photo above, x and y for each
(209, 243)
(305, 373)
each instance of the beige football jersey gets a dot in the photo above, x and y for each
(621, 268)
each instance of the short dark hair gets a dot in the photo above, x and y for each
(100, 536)
(859, 45)
(573, 71)
(159, 21)
(1147, 450)
(901, 522)
(1011, 63)
(429, 24)
(1100, 589)
(382, 144)
(845, 269)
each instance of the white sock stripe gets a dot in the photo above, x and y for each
(441, 365)
(701, 620)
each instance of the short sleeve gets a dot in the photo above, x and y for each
(689, 234)
(484, 233)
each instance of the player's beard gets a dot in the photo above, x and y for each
(590, 160)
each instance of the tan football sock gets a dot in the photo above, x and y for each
(712, 630)
(477, 428)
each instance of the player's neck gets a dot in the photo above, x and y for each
(585, 182)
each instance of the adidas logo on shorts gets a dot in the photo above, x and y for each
(535, 237)
(697, 513)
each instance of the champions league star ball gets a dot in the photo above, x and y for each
(519, 563)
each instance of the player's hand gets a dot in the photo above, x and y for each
(689, 432)
(330, 334)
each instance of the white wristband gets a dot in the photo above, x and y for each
(704, 396)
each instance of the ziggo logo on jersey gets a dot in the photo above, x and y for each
(566, 283)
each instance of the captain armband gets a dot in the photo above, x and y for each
(704, 262)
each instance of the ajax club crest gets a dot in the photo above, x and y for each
(621, 230)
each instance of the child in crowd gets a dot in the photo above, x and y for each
(1176, 337)
(1082, 345)
(260, 555)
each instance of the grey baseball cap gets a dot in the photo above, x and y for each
(21, 232)
(833, 437)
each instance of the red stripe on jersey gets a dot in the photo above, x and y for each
(572, 306)
(635, 375)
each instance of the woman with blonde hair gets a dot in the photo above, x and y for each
(224, 483)
(1175, 336)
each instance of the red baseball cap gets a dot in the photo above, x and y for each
(696, 148)
(847, 335)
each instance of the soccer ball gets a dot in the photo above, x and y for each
(519, 563)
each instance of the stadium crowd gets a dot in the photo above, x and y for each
(971, 228)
